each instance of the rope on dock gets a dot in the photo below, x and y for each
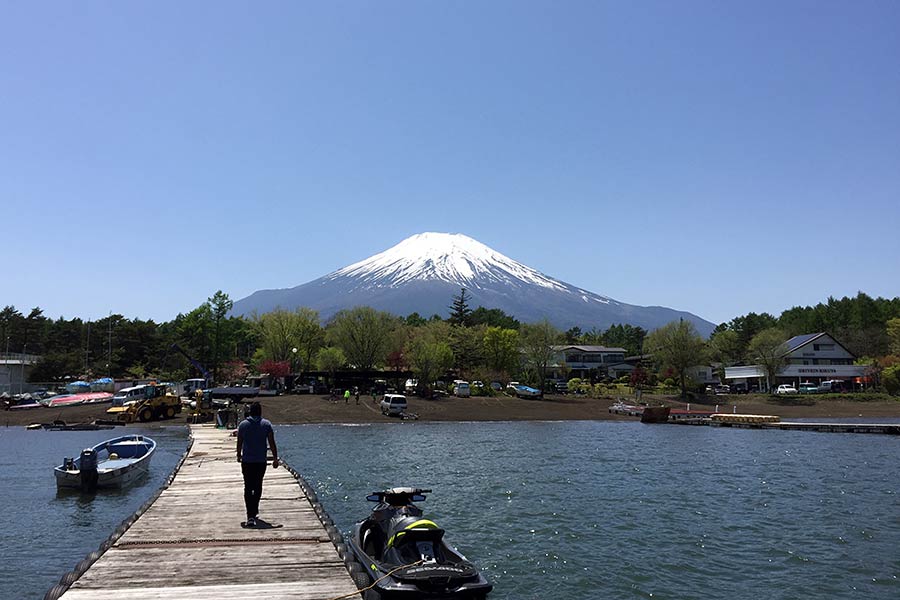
(385, 576)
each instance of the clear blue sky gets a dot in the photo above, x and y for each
(714, 157)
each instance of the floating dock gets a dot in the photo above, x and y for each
(189, 542)
(885, 429)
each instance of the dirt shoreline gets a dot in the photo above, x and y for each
(318, 409)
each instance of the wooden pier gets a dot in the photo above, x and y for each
(190, 544)
(871, 428)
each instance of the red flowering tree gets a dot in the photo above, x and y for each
(275, 368)
(639, 377)
(232, 371)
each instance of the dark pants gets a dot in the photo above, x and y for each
(253, 478)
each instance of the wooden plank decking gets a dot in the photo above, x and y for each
(189, 543)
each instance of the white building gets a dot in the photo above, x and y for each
(15, 368)
(812, 358)
(703, 374)
(587, 362)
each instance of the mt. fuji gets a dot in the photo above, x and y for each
(424, 272)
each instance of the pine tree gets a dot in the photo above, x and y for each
(460, 313)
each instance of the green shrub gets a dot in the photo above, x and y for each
(890, 379)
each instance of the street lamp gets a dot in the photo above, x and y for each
(22, 381)
(293, 363)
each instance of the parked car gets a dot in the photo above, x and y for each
(832, 385)
(786, 388)
(393, 404)
(411, 385)
(523, 391)
(808, 388)
(496, 386)
(461, 389)
(722, 390)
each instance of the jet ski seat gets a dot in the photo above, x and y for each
(415, 544)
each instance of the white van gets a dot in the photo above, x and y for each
(393, 404)
(461, 389)
(129, 395)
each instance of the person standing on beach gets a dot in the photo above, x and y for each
(347, 396)
(254, 434)
(356, 391)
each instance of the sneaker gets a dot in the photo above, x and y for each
(251, 522)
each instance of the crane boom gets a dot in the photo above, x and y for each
(191, 359)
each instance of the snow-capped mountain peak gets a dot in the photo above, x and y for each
(423, 273)
(449, 257)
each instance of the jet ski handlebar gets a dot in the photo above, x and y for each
(398, 496)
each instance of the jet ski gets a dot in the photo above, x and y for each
(404, 556)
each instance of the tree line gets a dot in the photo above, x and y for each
(868, 327)
(484, 343)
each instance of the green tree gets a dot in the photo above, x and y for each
(677, 346)
(890, 379)
(572, 335)
(429, 354)
(468, 348)
(309, 336)
(414, 319)
(768, 350)
(493, 317)
(330, 359)
(626, 336)
(460, 313)
(725, 347)
(194, 332)
(893, 331)
(538, 352)
(220, 305)
(749, 325)
(277, 332)
(501, 349)
(10, 318)
(364, 334)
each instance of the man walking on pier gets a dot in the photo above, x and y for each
(253, 434)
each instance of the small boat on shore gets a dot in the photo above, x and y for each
(114, 463)
(623, 408)
(24, 402)
(655, 414)
(79, 399)
(78, 387)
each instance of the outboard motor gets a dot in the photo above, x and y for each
(88, 463)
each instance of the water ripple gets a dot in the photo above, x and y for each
(621, 510)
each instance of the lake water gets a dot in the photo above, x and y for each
(45, 533)
(552, 510)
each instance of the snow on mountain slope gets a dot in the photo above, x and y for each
(453, 258)
(424, 272)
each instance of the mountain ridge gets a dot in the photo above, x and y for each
(423, 272)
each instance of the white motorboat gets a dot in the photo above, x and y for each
(114, 463)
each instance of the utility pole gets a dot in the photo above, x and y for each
(109, 356)
(87, 348)
(22, 381)
(8, 368)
